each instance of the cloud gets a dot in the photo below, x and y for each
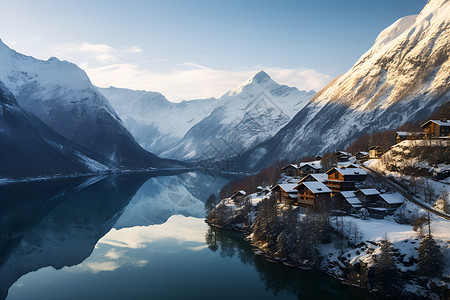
(124, 67)
(192, 81)
(96, 267)
(90, 53)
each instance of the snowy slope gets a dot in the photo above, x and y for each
(156, 123)
(24, 137)
(403, 77)
(62, 96)
(242, 118)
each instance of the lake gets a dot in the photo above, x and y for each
(136, 236)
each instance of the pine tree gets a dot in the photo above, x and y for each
(430, 257)
(287, 239)
(266, 226)
(386, 273)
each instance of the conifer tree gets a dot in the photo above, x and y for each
(430, 257)
(386, 273)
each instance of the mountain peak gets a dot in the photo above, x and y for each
(260, 77)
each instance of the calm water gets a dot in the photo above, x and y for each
(135, 237)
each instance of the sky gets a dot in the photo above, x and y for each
(200, 49)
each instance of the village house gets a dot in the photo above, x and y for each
(262, 190)
(436, 128)
(362, 156)
(368, 197)
(285, 193)
(291, 170)
(320, 177)
(238, 196)
(390, 201)
(313, 194)
(309, 168)
(401, 136)
(340, 179)
(375, 152)
(342, 156)
(318, 157)
(347, 201)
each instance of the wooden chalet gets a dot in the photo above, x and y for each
(436, 128)
(320, 177)
(375, 152)
(313, 194)
(260, 190)
(238, 196)
(362, 156)
(291, 170)
(401, 136)
(340, 179)
(285, 193)
(342, 156)
(318, 157)
(390, 201)
(309, 168)
(347, 201)
(368, 197)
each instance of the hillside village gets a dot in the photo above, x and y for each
(353, 204)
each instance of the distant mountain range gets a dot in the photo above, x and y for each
(405, 76)
(208, 128)
(80, 125)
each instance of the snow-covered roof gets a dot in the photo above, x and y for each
(287, 187)
(343, 153)
(393, 198)
(438, 122)
(408, 133)
(349, 171)
(369, 192)
(351, 198)
(316, 187)
(314, 164)
(362, 153)
(321, 177)
(290, 165)
(242, 192)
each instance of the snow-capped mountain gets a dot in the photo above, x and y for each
(241, 118)
(24, 138)
(403, 77)
(156, 123)
(62, 96)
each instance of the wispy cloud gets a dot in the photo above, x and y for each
(109, 66)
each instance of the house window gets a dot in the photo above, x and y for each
(336, 175)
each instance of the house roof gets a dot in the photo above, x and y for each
(290, 165)
(362, 153)
(287, 187)
(375, 148)
(320, 177)
(408, 133)
(438, 122)
(351, 198)
(369, 192)
(343, 153)
(242, 192)
(348, 171)
(315, 186)
(314, 164)
(393, 198)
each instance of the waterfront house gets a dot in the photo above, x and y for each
(436, 128)
(340, 179)
(313, 194)
(285, 193)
